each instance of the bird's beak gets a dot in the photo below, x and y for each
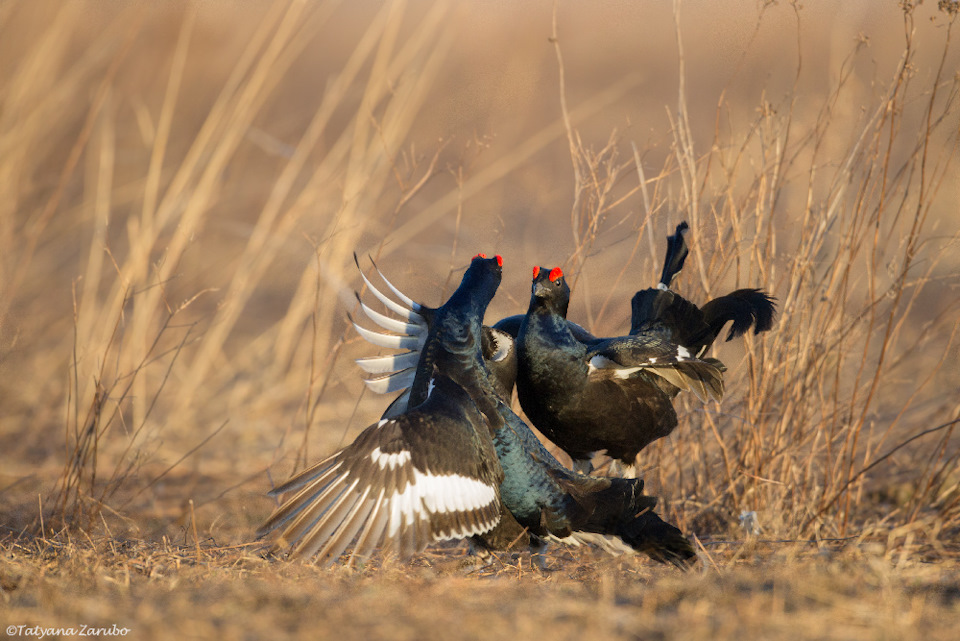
(542, 288)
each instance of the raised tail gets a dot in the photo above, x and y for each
(745, 307)
(650, 305)
(676, 254)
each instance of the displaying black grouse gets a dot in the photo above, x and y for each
(539, 493)
(612, 394)
(428, 473)
(589, 394)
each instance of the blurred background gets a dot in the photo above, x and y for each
(184, 186)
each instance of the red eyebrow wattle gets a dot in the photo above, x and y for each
(536, 270)
(555, 273)
(479, 256)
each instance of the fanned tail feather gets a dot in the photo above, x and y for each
(623, 510)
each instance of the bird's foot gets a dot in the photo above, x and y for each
(538, 556)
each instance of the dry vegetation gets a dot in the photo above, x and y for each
(183, 187)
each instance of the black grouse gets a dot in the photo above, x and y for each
(427, 473)
(589, 394)
(539, 493)
(395, 372)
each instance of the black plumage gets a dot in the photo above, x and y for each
(589, 394)
(612, 394)
(542, 496)
(396, 372)
(662, 310)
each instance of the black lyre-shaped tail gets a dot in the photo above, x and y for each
(676, 253)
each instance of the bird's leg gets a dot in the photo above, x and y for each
(477, 557)
(538, 553)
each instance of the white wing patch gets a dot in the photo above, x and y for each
(602, 362)
(336, 507)
(392, 460)
(388, 363)
(388, 340)
(391, 382)
(392, 324)
(439, 494)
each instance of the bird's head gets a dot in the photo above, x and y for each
(550, 290)
(478, 285)
(483, 276)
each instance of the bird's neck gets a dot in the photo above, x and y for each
(545, 323)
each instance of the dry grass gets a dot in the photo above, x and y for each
(158, 589)
(183, 187)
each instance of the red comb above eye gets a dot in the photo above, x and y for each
(500, 260)
(536, 270)
(479, 256)
(555, 273)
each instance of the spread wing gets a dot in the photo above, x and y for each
(404, 483)
(624, 357)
